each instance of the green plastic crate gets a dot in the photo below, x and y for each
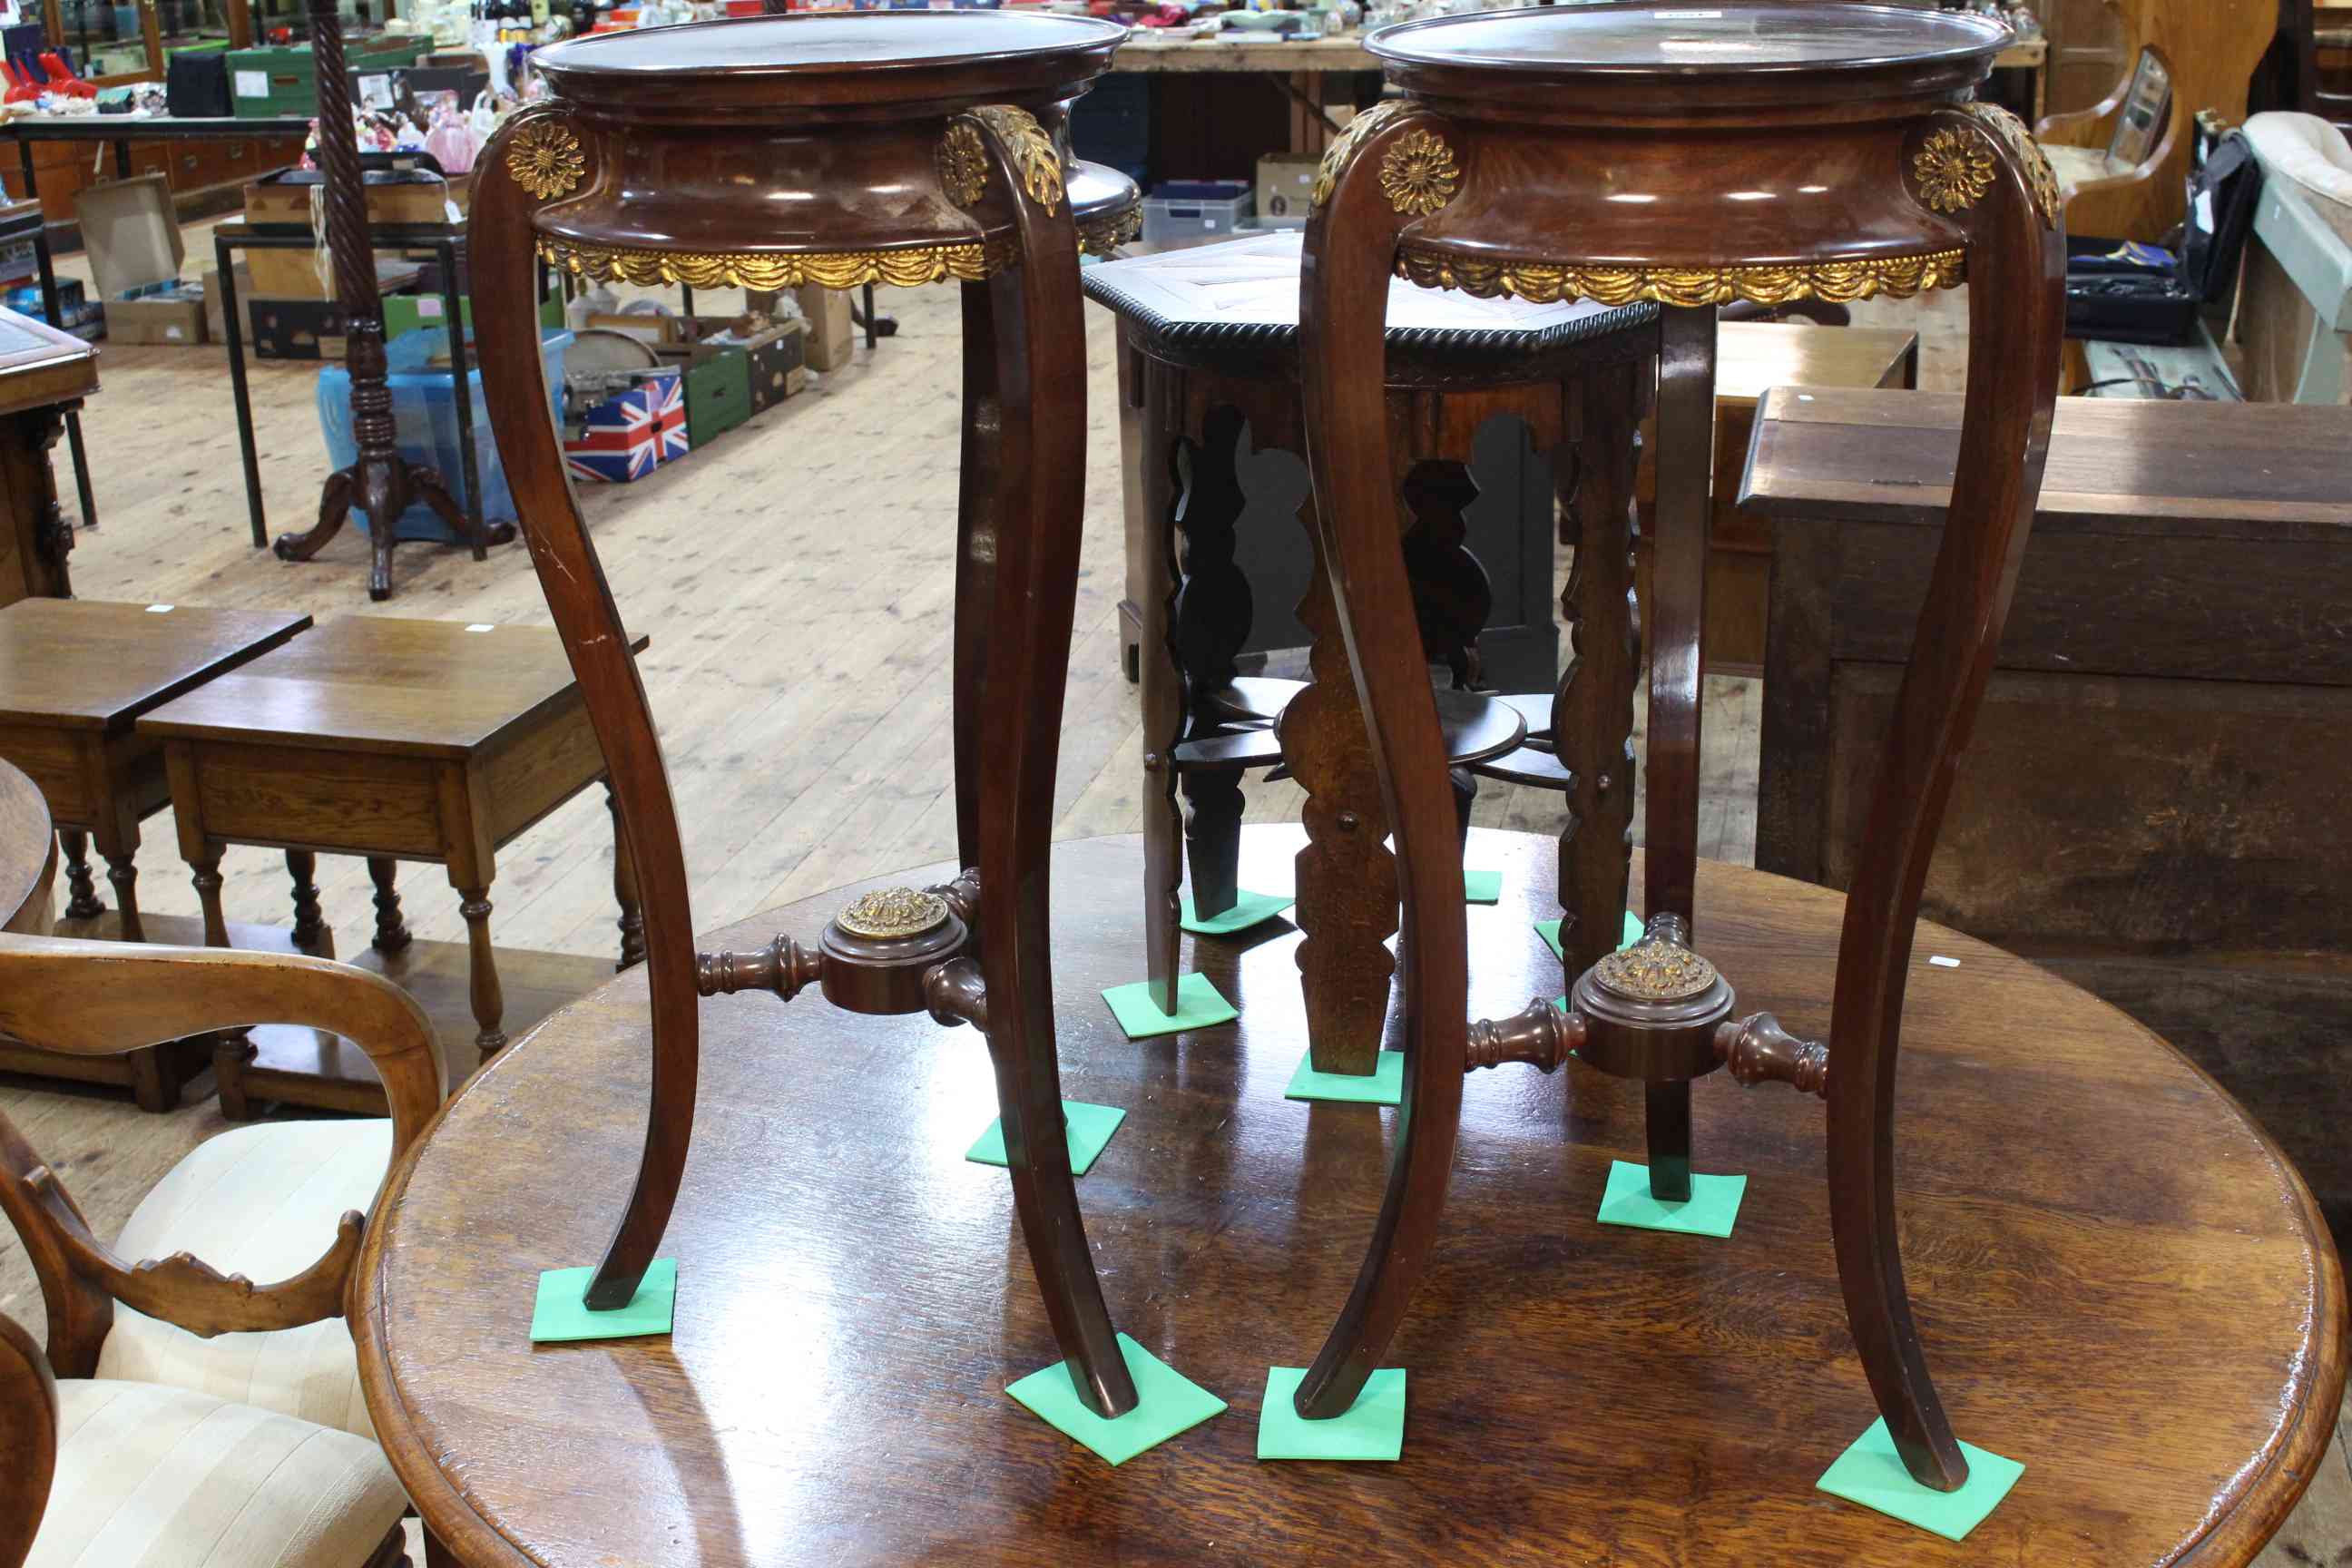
(718, 394)
(281, 81)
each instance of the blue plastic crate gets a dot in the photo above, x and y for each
(424, 409)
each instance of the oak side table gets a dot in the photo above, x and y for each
(395, 740)
(905, 147)
(1749, 149)
(76, 674)
(1208, 345)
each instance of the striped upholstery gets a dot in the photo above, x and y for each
(262, 1202)
(163, 1478)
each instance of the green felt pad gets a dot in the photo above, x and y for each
(1871, 1474)
(1713, 1202)
(1372, 1428)
(1549, 932)
(559, 1313)
(1248, 910)
(1482, 887)
(1198, 1006)
(1089, 1127)
(1166, 1403)
(1383, 1086)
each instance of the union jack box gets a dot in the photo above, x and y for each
(629, 436)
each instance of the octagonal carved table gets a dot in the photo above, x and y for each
(1750, 150)
(769, 153)
(1209, 346)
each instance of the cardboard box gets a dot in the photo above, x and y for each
(1285, 182)
(830, 341)
(282, 199)
(132, 236)
(308, 274)
(287, 327)
(778, 364)
(216, 306)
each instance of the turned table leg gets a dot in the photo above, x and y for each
(82, 903)
(117, 842)
(632, 922)
(391, 930)
(232, 1048)
(310, 933)
(483, 991)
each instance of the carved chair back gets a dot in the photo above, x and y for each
(95, 998)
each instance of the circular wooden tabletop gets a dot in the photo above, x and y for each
(2119, 1281)
(28, 845)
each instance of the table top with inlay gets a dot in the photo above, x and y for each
(85, 664)
(377, 683)
(2119, 1280)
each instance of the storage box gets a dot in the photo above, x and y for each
(629, 436)
(778, 364)
(1181, 210)
(285, 328)
(1285, 182)
(129, 228)
(424, 417)
(717, 390)
(73, 302)
(424, 311)
(283, 81)
(216, 306)
(281, 199)
(830, 339)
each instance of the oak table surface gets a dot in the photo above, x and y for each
(87, 665)
(435, 689)
(2123, 1285)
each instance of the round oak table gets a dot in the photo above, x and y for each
(2130, 1289)
(28, 854)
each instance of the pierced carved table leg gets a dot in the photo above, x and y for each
(1346, 877)
(1213, 614)
(1157, 440)
(1592, 710)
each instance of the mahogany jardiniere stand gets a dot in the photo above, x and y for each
(1752, 150)
(909, 147)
